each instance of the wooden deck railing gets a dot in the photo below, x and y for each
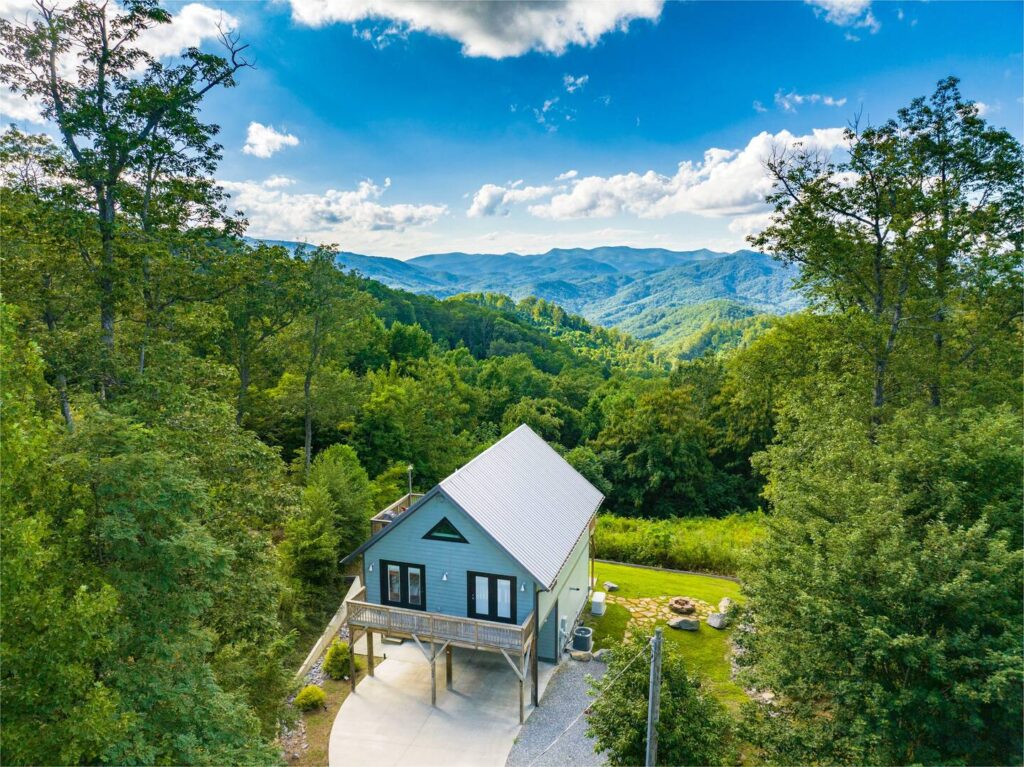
(386, 516)
(464, 632)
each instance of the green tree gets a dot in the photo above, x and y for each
(112, 121)
(923, 219)
(693, 727)
(885, 597)
(657, 448)
(337, 472)
(332, 306)
(311, 541)
(267, 300)
(56, 616)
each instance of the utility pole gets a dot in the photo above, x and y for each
(654, 700)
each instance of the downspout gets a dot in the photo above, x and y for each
(535, 694)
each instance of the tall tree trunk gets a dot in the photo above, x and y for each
(243, 388)
(108, 304)
(65, 403)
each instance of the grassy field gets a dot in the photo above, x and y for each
(705, 651)
(707, 544)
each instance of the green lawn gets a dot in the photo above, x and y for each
(705, 651)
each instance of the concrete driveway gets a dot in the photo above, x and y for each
(389, 719)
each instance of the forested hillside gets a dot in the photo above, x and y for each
(642, 291)
(196, 428)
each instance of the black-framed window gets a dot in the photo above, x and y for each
(445, 531)
(403, 585)
(491, 597)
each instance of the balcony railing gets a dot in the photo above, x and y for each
(385, 517)
(462, 632)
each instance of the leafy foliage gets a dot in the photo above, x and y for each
(336, 661)
(693, 727)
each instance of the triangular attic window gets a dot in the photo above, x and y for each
(445, 531)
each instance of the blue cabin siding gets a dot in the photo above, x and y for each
(405, 543)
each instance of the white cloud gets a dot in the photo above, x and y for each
(190, 27)
(983, 108)
(14, 108)
(847, 13)
(543, 117)
(263, 141)
(493, 30)
(273, 212)
(567, 175)
(727, 182)
(788, 102)
(752, 223)
(759, 107)
(491, 199)
(276, 182)
(573, 84)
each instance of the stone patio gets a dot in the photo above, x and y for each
(646, 611)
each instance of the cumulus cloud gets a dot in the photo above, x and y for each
(573, 84)
(751, 223)
(847, 13)
(567, 175)
(788, 102)
(493, 30)
(491, 199)
(263, 140)
(274, 212)
(190, 27)
(727, 182)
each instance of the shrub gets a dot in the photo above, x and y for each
(336, 662)
(311, 696)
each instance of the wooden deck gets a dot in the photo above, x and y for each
(460, 632)
(435, 634)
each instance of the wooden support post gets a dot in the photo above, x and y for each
(352, 658)
(369, 653)
(448, 666)
(433, 675)
(521, 719)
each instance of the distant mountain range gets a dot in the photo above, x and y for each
(649, 292)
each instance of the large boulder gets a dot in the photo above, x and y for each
(684, 624)
(682, 605)
(724, 604)
(583, 656)
(717, 620)
(609, 586)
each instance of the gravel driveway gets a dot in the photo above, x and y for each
(565, 697)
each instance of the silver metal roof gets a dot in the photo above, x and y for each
(528, 498)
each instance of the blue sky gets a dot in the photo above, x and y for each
(397, 128)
